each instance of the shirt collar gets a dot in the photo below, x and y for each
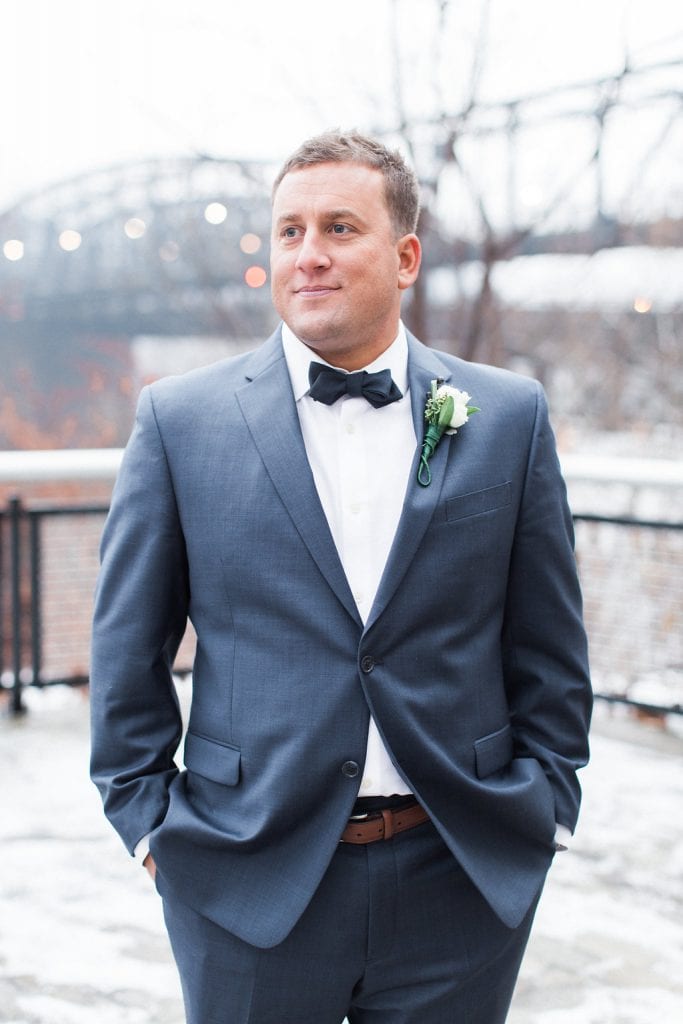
(299, 357)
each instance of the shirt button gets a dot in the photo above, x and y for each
(350, 428)
(350, 769)
(367, 663)
(366, 783)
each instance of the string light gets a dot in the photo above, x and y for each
(215, 213)
(169, 252)
(642, 304)
(70, 240)
(135, 228)
(13, 250)
(255, 277)
(250, 243)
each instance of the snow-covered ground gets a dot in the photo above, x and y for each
(82, 938)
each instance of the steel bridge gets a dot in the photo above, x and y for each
(179, 246)
(172, 246)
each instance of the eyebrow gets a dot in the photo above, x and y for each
(341, 213)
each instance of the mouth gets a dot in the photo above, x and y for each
(315, 291)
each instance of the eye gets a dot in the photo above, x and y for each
(340, 229)
(289, 232)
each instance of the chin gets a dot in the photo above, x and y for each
(315, 333)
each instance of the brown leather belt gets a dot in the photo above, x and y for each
(383, 824)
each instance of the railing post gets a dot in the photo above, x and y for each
(17, 706)
(3, 517)
(36, 581)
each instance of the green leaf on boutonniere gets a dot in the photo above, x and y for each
(446, 410)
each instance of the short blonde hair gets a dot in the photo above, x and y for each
(401, 187)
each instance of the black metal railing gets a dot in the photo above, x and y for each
(48, 569)
(49, 562)
(22, 587)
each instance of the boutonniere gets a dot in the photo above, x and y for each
(445, 411)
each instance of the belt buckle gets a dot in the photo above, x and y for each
(360, 817)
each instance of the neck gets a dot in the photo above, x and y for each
(355, 357)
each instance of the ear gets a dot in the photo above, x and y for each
(410, 256)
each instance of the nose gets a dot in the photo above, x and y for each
(312, 254)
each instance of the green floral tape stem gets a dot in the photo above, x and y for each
(445, 411)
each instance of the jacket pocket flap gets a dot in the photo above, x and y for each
(211, 759)
(477, 502)
(493, 752)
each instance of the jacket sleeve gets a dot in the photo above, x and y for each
(544, 642)
(141, 606)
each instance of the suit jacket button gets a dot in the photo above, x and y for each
(350, 769)
(367, 663)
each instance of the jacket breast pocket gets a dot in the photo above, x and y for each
(493, 752)
(477, 502)
(213, 760)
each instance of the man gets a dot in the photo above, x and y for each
(390, 691)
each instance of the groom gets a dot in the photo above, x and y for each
(390, 690)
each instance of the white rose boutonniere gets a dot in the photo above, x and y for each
(445, 411)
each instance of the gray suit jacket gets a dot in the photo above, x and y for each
(472, 661)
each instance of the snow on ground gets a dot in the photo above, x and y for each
(82, 936)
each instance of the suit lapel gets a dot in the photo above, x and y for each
(419, 504)
(268, 407)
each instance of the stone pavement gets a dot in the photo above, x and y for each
(82, 938)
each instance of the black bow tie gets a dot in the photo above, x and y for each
(328, 384)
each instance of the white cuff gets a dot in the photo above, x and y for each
(562, 837)
(142, 848)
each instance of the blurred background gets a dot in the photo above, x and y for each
(138, 142)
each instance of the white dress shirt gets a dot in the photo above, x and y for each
(360, 458)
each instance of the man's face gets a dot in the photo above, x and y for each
(337, 268)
